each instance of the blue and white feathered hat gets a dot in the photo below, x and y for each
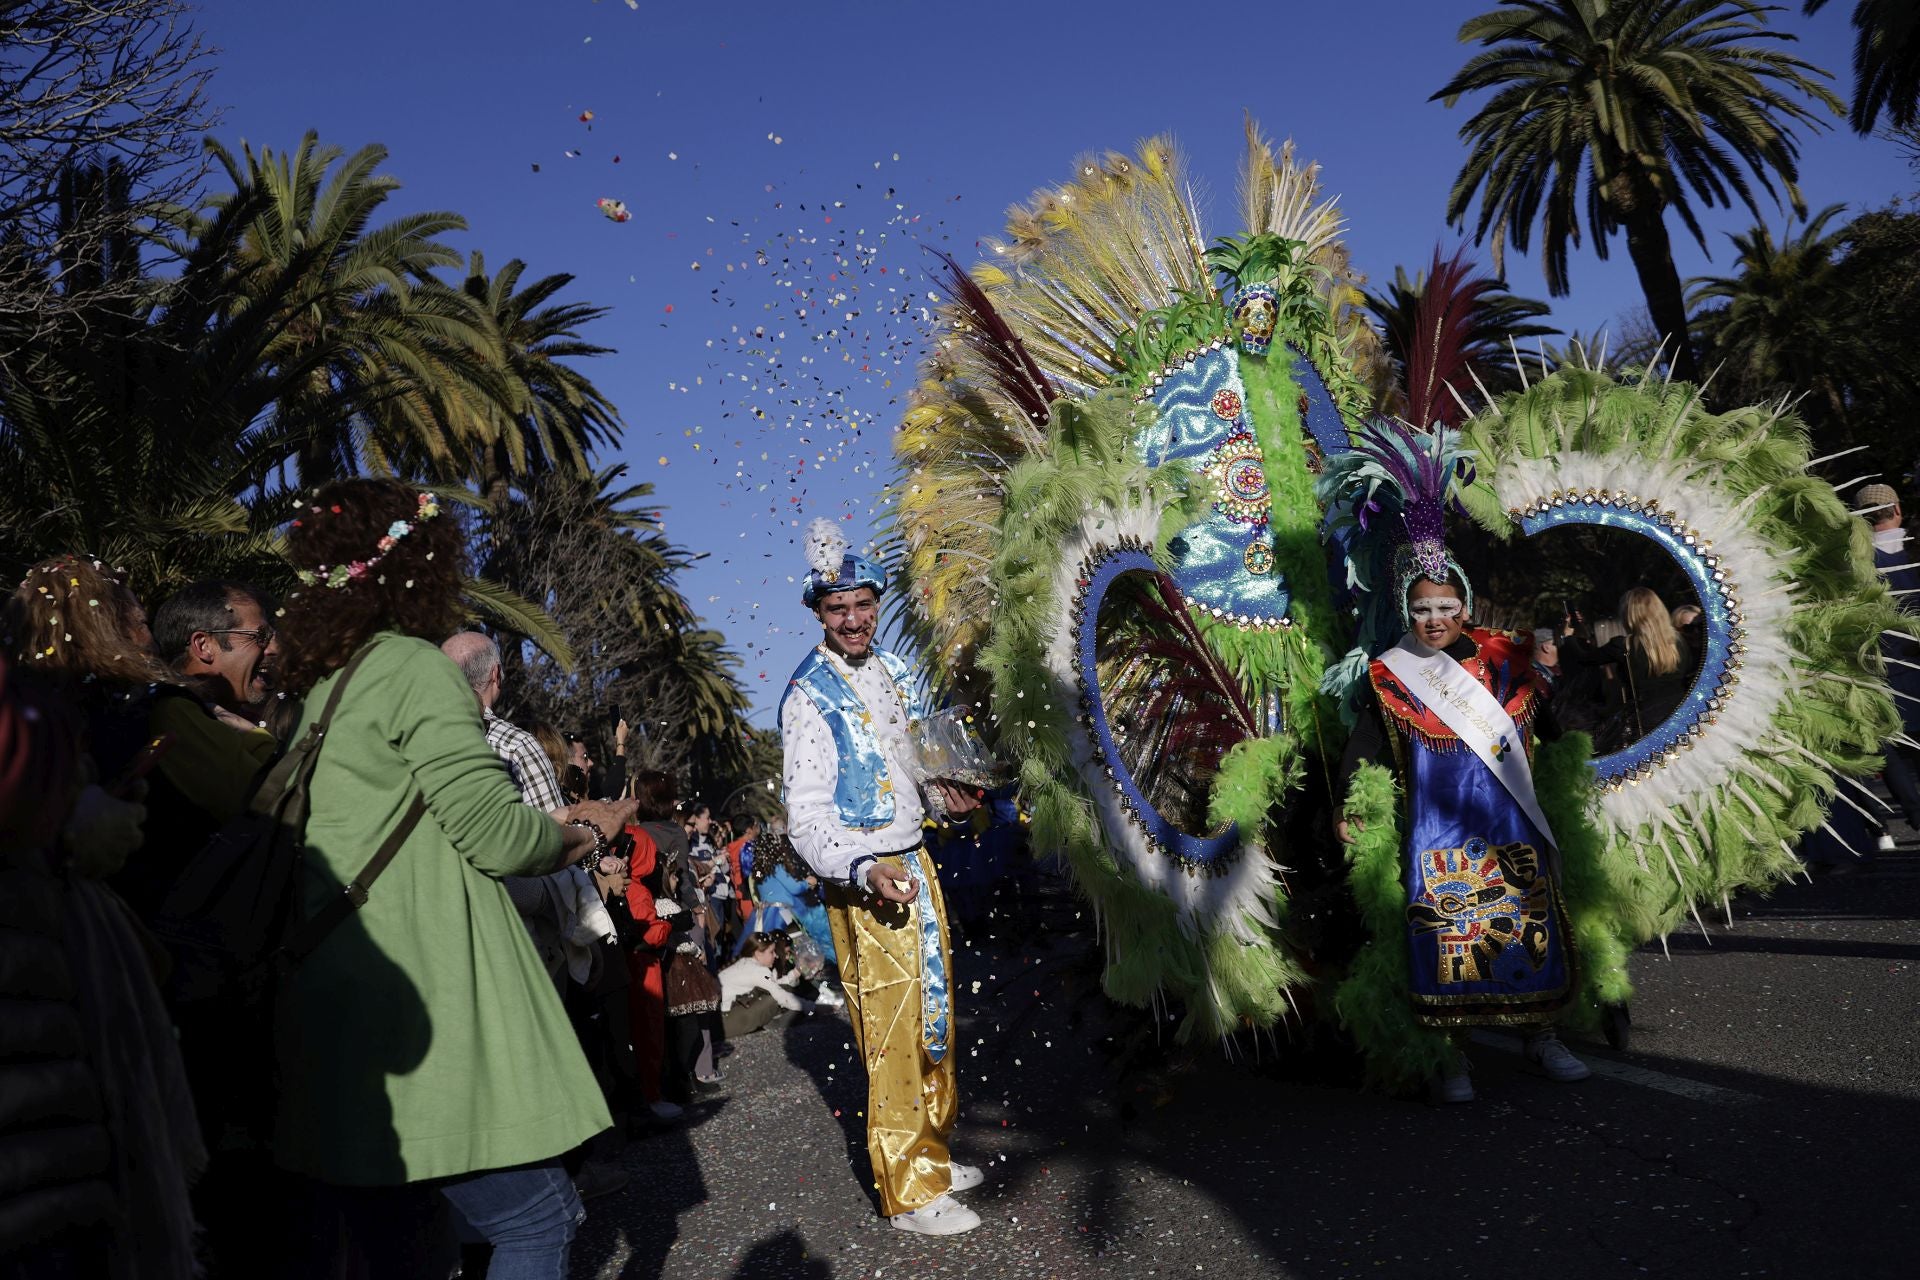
(832, 565)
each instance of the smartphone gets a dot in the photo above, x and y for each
(613, 719)
(141, 765)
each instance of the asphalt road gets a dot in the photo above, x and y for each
(1765, 1122)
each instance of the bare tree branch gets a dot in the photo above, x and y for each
(102, 107)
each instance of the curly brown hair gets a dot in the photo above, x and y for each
(74, 619)
(414, 589)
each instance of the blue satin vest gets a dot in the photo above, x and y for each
(863, 793)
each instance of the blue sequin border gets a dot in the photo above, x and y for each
(1719, 602)
(1210, 854)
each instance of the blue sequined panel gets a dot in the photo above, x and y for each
(1319, 413)
(1224, 562)
(1720, 624)
(936, 1006)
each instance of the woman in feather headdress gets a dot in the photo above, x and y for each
(855, 808)
(1452, 709)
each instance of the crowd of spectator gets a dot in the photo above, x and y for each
(313, 964)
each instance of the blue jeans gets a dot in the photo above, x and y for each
(528, 1214)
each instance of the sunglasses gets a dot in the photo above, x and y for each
(262, 636)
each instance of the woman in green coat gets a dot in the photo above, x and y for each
(422, 1049)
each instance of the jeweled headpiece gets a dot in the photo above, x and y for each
(1391, 493)
(832, 565)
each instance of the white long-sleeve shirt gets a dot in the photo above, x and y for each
(812, 772)
(746, 973)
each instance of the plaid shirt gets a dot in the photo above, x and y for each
(532, 772)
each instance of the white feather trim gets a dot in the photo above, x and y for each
(1238, 903)
(826, 547)
(1744, 728)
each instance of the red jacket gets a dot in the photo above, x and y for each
(654, 931)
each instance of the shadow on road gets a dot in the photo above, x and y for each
(784, 1255)
(674, 1184)
(1112, 1153)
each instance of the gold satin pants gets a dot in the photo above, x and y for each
(911, 1101)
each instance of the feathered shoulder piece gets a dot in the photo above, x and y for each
(1502, 661)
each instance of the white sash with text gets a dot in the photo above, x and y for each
(1475, 716)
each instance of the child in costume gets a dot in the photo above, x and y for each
(855, 812)
(1453, 710)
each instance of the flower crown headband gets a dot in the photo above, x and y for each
(340, 575)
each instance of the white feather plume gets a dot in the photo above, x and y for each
(1237, 903)
(826, 547)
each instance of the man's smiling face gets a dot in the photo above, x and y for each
(849, 618)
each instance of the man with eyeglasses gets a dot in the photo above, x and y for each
(215, 637)
(218, 636)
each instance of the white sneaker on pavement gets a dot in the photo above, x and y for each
(966, 1176)
(1454, 1085)
(665, 1110)
(1555, 1060)
(944, 1217)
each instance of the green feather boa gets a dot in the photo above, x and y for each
(1224, 983)
(1372, 1002)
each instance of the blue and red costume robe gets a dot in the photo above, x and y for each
(1487, 933)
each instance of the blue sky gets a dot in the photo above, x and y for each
(833, 140)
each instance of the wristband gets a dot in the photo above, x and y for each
(857, 871)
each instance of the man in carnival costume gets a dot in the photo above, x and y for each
(855, 811)
(1453, 709)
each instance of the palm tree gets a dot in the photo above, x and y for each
(1450, 297)
(1624, 110)
(1774, 327)
(383, 367)
(158, 433)
(590, 550)
(1886, 62)
(131, 428)
(556, 416)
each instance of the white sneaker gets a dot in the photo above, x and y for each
(944, 1217)
(1555, 1060)
(1452, 1086)
(666, 1110)
(965, 1176)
